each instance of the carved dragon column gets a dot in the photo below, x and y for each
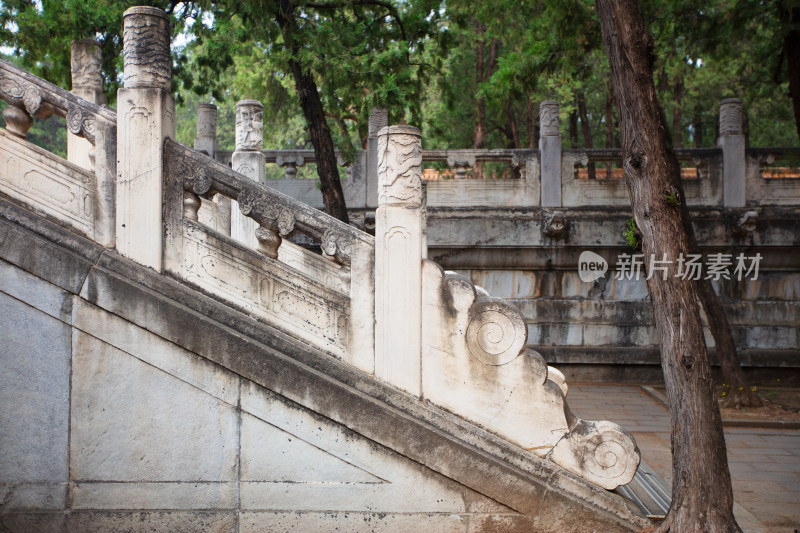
(550, 154)
(87, 82)
(248, 159)
(731, 140)
(145, 117)
(398, 258)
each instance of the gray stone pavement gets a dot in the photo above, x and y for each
(764, 463)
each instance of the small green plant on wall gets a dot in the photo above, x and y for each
(631, 233)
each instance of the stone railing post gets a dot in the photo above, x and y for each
(248, 160)
(378, 119)
(550, 154)
(216, 212)
(731, 140)
(145, 117)
(87, 82)
(205, 139)
(398, 258)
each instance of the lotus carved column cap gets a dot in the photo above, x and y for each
(548, 118)
(730, 116)
(249, 125)
(400, 166)
(146, 52)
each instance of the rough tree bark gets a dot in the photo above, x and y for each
(739, 393)
(702, 498)
(310, 102)
(530, 123)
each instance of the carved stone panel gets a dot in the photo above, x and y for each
(730, 116)
(249, 125)
(548, 118)
(46, 183)
(281, 300)
(399, 166)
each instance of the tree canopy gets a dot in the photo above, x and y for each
(468, 73)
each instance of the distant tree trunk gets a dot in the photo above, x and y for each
(677, 96)
(790, 16)
(512, 127)
(573, 129)
(533, 131)
(586, 129)
(739, 393)
(702, 498)
(609, 125)
(310, 102)
(698, 126)
(480, 103)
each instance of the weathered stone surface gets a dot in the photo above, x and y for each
(34, 399)
(152, 522)
(33, 522)
(164, 430)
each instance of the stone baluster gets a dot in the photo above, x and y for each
(550, 154)
(87, 82)
(289, 163)
(731, 141)
(18, 121)
(145, 117)
(205, 139)
(398, 258)
(248, 160)
(461, 163)
(378, 119)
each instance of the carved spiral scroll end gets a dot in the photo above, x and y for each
(602, 453)
(496, 333)
(201, 184)
(285, 223)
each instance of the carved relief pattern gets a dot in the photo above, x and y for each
(259, 292)
(20, 93)
(206, 120)
(146, 50)
(47, 186)
(399, 169)
(601, 452)
(87, 62)
(378, 119)
(496, 333)
(249, 125)
(548, 118)
(78, 125)
(730, 117)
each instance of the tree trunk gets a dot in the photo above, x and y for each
(698, 126)
(586, 129)
(480, 104)
(609, 125)
(676, 112)
(791, 48)
(739, 394)
(533, 131)
(512, 127)
(573, 129)
(310, 102)
(702, 498)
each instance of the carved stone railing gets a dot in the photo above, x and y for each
(462, 192)
(779, 187)
(308, 295)
(82, 199)
(702, 182)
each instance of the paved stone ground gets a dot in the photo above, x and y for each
(764, 463)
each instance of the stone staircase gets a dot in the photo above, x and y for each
(173, 378)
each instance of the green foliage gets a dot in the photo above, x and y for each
(631, 233)
(673, 196)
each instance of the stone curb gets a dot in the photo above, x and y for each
(659, 397)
